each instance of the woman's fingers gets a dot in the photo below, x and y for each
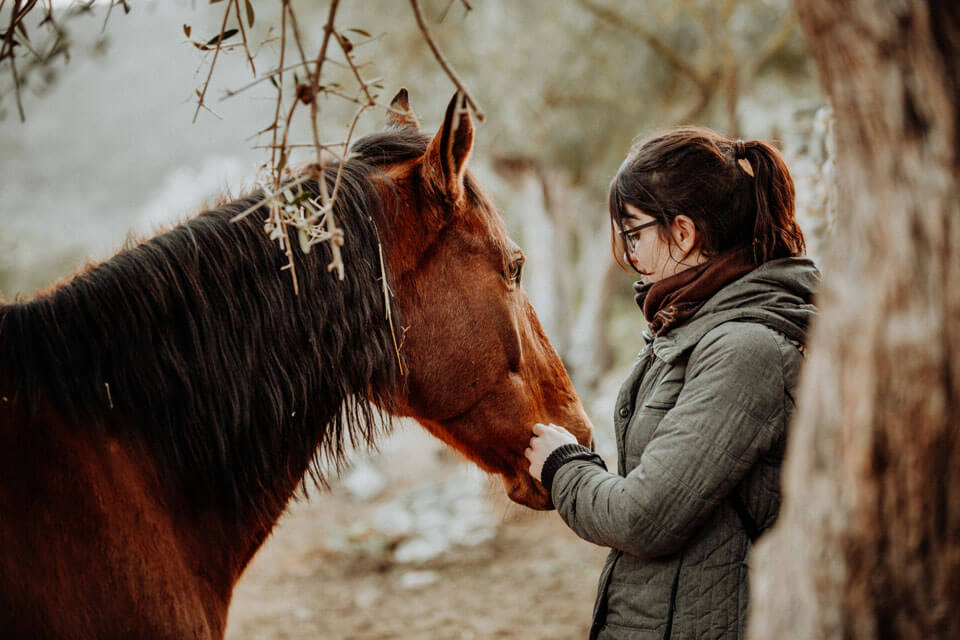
(553, 432)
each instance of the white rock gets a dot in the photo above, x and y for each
(418, 579)
(417, 550)
(303, 614)
(366, 597)
(432, 521)
(364, 481)
(393, 521)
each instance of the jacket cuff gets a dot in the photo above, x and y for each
(562, 455)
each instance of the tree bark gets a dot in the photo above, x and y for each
(868, 542)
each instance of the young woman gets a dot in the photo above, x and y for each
(701, 420)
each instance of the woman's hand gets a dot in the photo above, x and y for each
(546, 438)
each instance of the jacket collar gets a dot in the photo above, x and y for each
(777, 294)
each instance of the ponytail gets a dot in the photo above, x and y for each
(775, 232)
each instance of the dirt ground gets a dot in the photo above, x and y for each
(533, 579)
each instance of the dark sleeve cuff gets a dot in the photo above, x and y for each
(562, 455)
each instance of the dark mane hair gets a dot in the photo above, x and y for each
(193, 346)
(698, 173)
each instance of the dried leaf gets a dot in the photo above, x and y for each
(186, 30)
(363, 33)
(304, 240)
(221, 37)
(250, 15)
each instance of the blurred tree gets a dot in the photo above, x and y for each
(868, 543)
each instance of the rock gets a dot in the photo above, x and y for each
(303, 614)
(418, 579)
(366, 597)
(364, 481)
(419, 550)
(393, 521)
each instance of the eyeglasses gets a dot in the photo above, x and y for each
(627, 234)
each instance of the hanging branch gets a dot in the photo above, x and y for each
(10, 41)
(218, 40)
(442, 61)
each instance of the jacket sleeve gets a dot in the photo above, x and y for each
(728, 413)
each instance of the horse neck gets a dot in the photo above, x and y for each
(194, 350)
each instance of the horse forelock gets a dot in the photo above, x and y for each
(194, 348)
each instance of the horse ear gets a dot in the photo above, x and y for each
(400, 114)
(445, 161)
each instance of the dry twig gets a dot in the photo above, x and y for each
(442, 61)
(213, 64)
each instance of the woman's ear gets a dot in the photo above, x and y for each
(684, 233)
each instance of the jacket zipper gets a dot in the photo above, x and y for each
(673, 600)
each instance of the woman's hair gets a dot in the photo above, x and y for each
(705, 176)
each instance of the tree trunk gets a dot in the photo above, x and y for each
(868, 542)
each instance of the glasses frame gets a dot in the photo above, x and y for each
(627, 234)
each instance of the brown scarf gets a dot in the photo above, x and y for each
(674, 300)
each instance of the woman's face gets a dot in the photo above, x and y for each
(658, 255)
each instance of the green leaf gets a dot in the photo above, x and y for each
(221, 37)
(186, 30)
(250, 15)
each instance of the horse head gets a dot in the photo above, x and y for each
(479, 369)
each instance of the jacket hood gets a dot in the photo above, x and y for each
(778, 294)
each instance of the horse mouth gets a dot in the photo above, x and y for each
(524, 490)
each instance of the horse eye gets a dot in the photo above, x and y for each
(515, 271)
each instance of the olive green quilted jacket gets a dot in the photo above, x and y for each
(703, 414)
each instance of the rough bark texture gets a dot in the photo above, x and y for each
(868, 543)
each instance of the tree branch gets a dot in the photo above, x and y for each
(315, 78)
(669, 56)
(771, 47)
(206, 85)
(442, 61)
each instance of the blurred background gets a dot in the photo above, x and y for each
(412, 543)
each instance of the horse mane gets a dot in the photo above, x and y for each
(193, 346)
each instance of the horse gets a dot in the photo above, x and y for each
(159, 410)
